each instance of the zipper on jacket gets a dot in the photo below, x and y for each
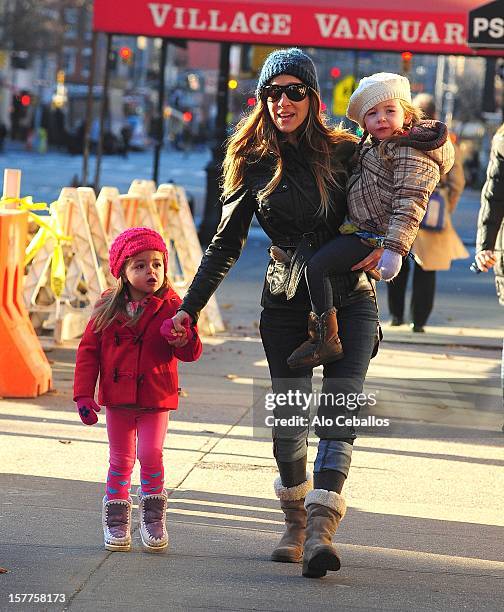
(117, 339)
(116, 375)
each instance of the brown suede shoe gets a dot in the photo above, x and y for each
(325, 348)
(305, 349)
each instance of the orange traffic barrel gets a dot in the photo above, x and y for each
(24, 369)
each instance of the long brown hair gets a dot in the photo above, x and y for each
(256, 137)
(113, 302)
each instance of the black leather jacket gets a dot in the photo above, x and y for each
(285, 215)
(491, 215)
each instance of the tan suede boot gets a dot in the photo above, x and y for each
(325, 510)
(304, 350)
(326, 349)
(290, 547)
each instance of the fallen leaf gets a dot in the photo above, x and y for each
(231, 376)
(65, 441)
(3, 570)
(182, 393)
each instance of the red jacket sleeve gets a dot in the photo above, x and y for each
(87, 365)
(192, 350)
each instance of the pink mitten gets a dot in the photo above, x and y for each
(167, 327)
(87, 409)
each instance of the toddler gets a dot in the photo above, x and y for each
(400, 162)
(130, 343)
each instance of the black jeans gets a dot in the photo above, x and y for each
(422, 297)
(336, 257)
(283, 330)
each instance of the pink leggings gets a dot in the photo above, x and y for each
(123, 427)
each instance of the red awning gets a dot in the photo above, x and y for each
(421, 26)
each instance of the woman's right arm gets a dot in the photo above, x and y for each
(221, 254)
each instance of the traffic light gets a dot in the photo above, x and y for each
(232, 83)
(406, 57)
(126, 55)
(25, 100)
(335, 72)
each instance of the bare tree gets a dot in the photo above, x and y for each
(31, 25)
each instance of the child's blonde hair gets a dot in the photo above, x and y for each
(114, 300)
(413, 115)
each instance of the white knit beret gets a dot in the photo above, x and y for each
(374, 89)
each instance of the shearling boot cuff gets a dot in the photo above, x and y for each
(330, 499)
(293, 493)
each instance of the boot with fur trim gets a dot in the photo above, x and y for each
(152, 510)
(116, 522)
(290, 547)
(325, 510)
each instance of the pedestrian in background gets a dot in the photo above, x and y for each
(130, 343)
(3, 135)
(401, 159)
(436, 249)
(288, 167)
(490, 236)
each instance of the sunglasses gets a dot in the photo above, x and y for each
(295, 92)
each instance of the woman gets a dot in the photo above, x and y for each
(490, 236)
(436, 250)
(287, 167)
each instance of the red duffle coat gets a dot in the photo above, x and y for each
(136, 365)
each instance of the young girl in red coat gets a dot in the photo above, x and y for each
(130, 343)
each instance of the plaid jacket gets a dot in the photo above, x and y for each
(389, 196)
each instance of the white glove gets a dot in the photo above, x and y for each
(389, 265)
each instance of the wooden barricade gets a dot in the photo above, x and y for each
(87, 274)
(111, 212)
(177, 221)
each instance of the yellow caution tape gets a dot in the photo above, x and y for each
(25, 203)
(51, 228)
(58, 271)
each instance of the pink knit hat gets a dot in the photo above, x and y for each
(132, 241)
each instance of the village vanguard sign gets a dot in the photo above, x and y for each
(286, 24)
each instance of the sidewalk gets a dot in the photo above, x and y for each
(424, 529)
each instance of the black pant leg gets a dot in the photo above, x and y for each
(422, 298)
(396, 291)
(282, 331)
(335, 257)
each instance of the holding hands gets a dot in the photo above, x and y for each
(389, 264)
(87, 408)
(177, 330)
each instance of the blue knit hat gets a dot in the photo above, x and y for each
(288, 61)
